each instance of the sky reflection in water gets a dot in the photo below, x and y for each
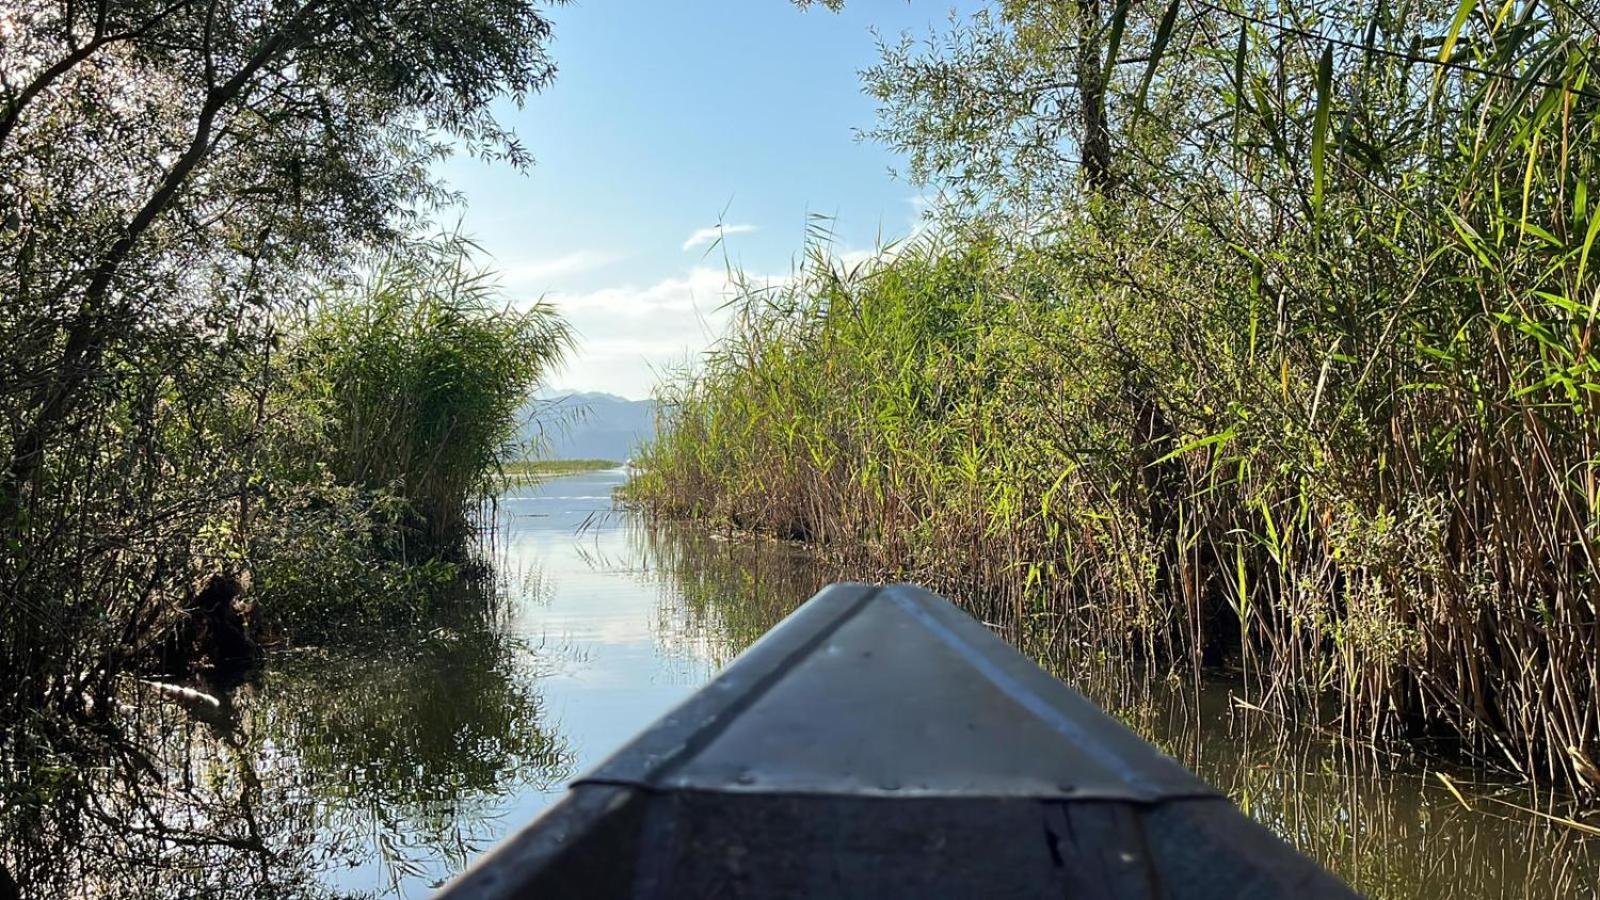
(383, 773)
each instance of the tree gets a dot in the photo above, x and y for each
(174, 172)
(141, 138)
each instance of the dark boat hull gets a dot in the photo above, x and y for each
(819, 765)
(604, 841)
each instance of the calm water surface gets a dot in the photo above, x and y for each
(383, 772)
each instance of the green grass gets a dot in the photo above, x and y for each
(419, 374)
(400, 398)
(532, 470)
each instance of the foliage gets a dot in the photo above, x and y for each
(394, 405)
(321, 570)
(1400, 833)
(395, 760)
(418, 376)
(538, 470)
(1297, 373)
(173, 176)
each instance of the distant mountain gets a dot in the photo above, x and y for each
(588, 426)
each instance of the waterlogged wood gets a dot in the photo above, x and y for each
(811, 767)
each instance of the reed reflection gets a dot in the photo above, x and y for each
(1389, 826)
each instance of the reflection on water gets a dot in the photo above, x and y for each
(342, 773)
(1391, 830)
(382, 772)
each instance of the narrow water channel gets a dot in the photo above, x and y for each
(384, 771)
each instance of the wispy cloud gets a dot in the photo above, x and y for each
(707, 235)
(628, 334)
(536, 274)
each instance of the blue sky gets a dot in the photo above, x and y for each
(665, 117)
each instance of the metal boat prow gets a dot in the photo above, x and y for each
(880, 743)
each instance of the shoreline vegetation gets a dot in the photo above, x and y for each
(246, 400)
(533, 471)
(1236, 335)
(1405, 835)
(1273, 351)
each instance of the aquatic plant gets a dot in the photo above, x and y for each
(1392, 826)
(1294, 373)
(416, 376)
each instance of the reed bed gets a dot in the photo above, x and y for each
(1391, 831)
(1270, 345)
(959, 418)
(417, 375)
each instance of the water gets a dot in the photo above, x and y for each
(384, 771)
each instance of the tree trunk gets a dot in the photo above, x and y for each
(1095, 137)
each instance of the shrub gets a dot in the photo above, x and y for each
(414, 378)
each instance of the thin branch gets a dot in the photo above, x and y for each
(1391, 54)
(13, 110)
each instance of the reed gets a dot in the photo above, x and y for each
(417, 375)
(1303, 385)
(1391, 828)
(1294, 371)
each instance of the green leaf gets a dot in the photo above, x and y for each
(1158, 47)
(1470, 237)
(1565, 304)
(1219, 438)
(1238, 59)
(1319, 133)
(1239, 101)
(1588, 245)
(1541, 233)
(1119, 22)
(1460, 21)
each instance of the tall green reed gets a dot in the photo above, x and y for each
(979, 419)
(417, 376)
(1300, 379)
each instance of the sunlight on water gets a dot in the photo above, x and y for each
(385, 771)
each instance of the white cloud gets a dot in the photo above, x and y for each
(536, 275)
(707, 235)
(926, 212)
(629, 334)
(849, 259)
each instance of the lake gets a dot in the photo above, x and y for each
(383, 771)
